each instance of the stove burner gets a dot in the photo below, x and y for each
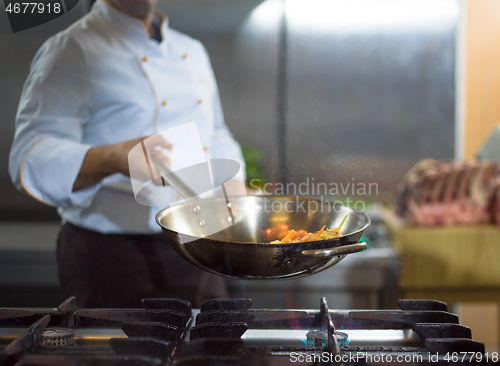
(319, 339)
(57, 337)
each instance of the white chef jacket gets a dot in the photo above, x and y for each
(100, 82)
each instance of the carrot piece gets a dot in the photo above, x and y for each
(308, 237)
(317, 234)
(288, 237)
(300, 233)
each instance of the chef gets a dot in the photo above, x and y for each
(94, 91)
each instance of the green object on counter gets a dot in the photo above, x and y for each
(366, 240)
(254, 166)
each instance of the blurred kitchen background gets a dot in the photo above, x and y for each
(325, 91)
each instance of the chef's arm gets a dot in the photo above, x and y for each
(103, 161)
(49, 158)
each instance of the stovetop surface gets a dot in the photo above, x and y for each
(230, 332)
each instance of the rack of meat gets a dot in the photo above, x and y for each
(439, 193)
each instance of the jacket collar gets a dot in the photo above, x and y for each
(130, 26)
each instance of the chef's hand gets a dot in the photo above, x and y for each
(142, 157)
(103, 161)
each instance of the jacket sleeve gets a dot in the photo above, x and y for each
(54, 108)
(224, 146)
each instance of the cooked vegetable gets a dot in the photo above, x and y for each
(277, 231)
(301, 236)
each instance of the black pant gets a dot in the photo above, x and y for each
(117, 271)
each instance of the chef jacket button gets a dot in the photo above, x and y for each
(164, 103)
(145, 59)
(205, 148)
(184, 56)
(199, 101)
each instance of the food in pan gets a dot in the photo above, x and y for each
(301, 236)
(274, 232)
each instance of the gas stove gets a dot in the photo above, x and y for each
(230, 332)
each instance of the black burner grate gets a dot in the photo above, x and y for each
(169, 332)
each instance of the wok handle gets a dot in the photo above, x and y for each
(173, 179)
(333, 252)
